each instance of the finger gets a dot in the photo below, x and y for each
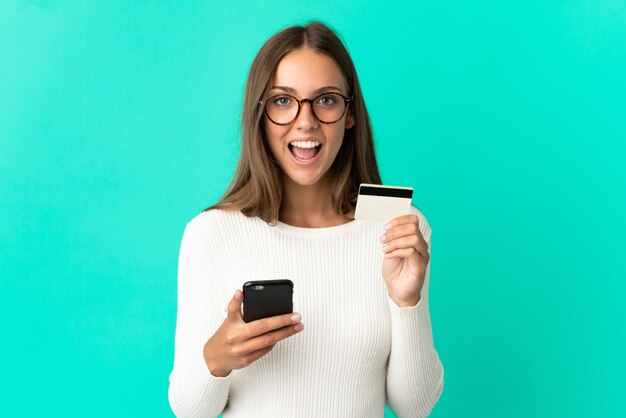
(400, 231)
(261, 326)
(411, 241)
(406, 253)
(402, 253)
(401, 220)
(234, 307)
(270, 338)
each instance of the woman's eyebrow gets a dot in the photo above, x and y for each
(292, 90)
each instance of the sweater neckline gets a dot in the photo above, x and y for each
(315, 232)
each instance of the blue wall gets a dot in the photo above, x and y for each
(119, 123)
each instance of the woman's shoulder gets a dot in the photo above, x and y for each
(214, 228)
(214, 221)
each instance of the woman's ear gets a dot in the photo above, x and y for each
(349, 120)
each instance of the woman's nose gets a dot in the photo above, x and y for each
(306, 120)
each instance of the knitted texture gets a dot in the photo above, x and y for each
(358, 350)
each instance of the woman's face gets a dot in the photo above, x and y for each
(305, 74)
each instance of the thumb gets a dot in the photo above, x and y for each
(234, 307)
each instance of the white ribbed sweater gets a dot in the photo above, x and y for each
(358, 349)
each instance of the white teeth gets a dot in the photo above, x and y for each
(305, 144)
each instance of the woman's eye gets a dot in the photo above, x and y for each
(281, 101)
(327, 100)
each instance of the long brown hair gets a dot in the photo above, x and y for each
(257, 185)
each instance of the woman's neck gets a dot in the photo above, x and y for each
(310, 206)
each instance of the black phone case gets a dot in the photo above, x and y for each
(265, 298)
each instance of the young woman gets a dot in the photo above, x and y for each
(361, 287)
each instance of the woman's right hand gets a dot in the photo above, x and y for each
(236, 344)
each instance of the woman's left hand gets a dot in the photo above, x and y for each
(405, 260)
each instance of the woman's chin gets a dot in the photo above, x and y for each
(304, 179)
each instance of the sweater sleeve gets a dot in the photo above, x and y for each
(414, 371)
(193, 390)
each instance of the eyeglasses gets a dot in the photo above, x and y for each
(282, 109)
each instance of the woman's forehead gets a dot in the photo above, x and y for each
(307, 72)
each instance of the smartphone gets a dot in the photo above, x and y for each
(265, 298)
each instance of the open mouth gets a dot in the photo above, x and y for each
(305, 151)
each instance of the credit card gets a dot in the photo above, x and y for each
(382, 203)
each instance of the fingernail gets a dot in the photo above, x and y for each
(299, 327)
(382, 238)
(387, 226)
(295, 317)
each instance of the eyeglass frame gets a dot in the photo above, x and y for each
(347, 101)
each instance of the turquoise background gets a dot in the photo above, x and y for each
(119, 122)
